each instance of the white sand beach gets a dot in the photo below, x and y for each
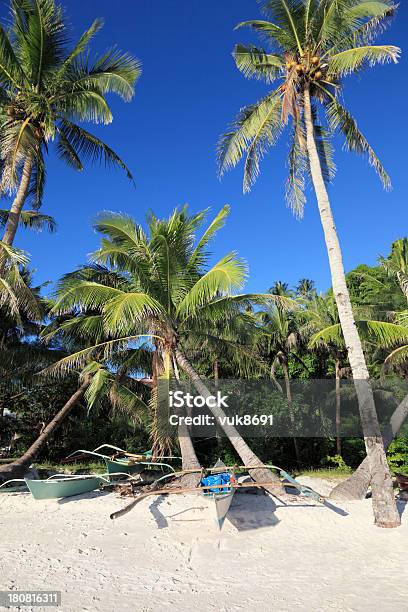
(167, 554)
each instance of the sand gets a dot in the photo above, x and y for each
(167, 554)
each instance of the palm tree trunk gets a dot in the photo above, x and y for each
(338, 408)
(290, 408)
(189, 460)
(216, 373)
(356, 486)
(247, 455)
(384, 504)
(19, 466)
(17, 206)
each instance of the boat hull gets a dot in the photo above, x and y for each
(219, 504)
(65, 487)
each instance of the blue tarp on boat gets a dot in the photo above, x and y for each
(217, 479)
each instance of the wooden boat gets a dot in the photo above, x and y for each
(125, 465)
(7, 487)
(219, 500)
(402, 481)
(121, 460)
(62, 485)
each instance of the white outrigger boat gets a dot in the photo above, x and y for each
(213, 491)
(219, 500)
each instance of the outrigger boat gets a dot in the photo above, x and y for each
(56, 486)
(219, 499)
(62, 485)
(221, 502)
(122, 461)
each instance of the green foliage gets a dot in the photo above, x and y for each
(397, 455)
(338, 462)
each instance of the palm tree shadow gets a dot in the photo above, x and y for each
(252, 512)
(401, 506)
(161, 520)
(326, 503)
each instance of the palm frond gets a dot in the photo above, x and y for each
(31, 219)
(350, 60)
(257, 63)
(90, 147)
(256, 128)
(224, 277)
(340, 119)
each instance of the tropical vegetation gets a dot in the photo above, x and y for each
(152, 310)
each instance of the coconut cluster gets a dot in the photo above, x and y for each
(310, 67)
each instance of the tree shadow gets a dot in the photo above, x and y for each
(249, 512)
(161, 520)
(401, 506)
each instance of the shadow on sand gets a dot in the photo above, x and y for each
(252, 512)
(77, 498)
(402, 506)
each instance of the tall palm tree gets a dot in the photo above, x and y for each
(314, 44)
(46, 88)
(159, 286)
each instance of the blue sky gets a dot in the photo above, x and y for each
(189, 91)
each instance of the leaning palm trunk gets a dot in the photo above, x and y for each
(188, 455)
(19, 466)
(356, 486)
(17, 206)
(247, 455)
(384, 504)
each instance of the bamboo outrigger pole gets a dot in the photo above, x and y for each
(292, 483)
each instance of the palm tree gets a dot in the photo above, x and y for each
(306, 289)
(159, 286)
(397, 264)
(280, 328)
(322, 320)
(314, 45)
(45, 90)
